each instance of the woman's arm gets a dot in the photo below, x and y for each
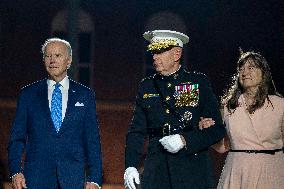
(282, 129)
(224, 144)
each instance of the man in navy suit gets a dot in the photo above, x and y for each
(56, 127)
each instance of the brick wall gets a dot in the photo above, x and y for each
(114, 119)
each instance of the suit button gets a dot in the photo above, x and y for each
(167, 111)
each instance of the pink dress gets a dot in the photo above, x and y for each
(259, 131)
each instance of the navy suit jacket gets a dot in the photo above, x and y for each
(70, 157)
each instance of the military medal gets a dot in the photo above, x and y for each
(186, 95)
(187, 116)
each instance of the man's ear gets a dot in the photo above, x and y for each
(177, 53)
(69, 63)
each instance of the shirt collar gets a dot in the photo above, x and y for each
(172, 72)
(64, 83)
(174, 75)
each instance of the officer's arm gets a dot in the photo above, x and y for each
(198, 140)
(223, 145)
(136, 134)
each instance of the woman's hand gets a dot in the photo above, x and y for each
(205, 123)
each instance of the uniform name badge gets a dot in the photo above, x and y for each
(186, 95)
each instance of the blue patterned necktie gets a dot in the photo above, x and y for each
(56, 107)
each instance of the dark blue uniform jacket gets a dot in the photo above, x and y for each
(191, 95)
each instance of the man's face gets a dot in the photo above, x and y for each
(56, 60)
(250, 75)
(167, 62)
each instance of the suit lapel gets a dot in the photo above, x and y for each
(72, 96)
(42, 99)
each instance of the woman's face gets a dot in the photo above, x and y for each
(250, 76)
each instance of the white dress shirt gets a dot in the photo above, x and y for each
(64, 90)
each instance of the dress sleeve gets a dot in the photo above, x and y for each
(223, 145)
(282, 124)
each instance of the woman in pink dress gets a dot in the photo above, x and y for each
(254, 119)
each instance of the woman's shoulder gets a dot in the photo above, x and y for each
(225, 110)
(276, 100)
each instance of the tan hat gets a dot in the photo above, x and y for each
(164, 39)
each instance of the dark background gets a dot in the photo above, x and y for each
(217, 28)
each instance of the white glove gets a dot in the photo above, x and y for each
(130, 175)
(172, 143)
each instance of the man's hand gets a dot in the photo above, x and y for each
(131, 175)
(91, 185)
(18, 181)
(205, 123)
(173, 143)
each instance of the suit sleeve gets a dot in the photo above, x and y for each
(136, 134)
(93, 143)
(18, 136)
(198, 140)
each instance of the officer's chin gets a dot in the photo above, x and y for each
(159, 71)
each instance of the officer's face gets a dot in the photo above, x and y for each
(56, 60)
(167, 62)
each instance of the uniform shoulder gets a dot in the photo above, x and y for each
(147, 79)
(197, 74)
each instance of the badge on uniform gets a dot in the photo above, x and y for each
(149, 95)
(186, 95)
(187, 116)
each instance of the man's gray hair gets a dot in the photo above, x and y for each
(55, 39)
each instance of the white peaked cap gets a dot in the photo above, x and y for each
(157, 35)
